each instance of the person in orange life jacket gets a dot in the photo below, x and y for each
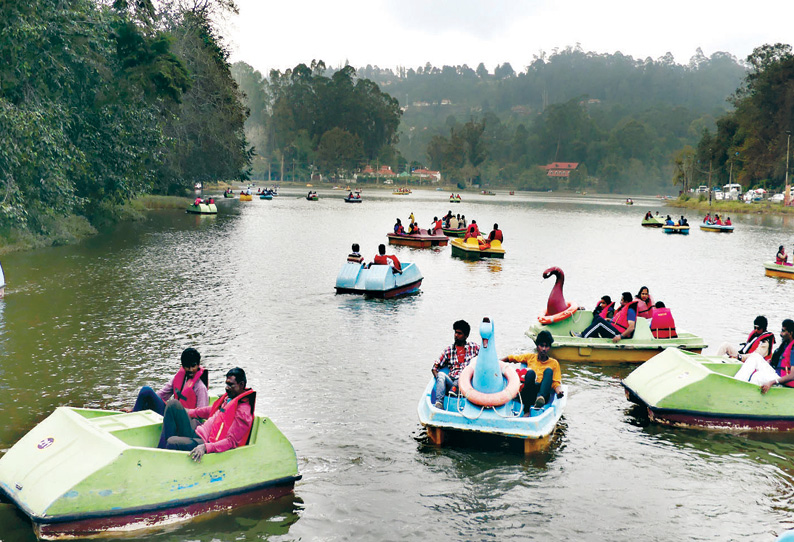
(187, 386)
(781, 359)
(620, 327)
(539, 366)
(728, 222)
(496, 234)
(644, 303)
(435, 226)
(228, 424)
(383, 259)
(456, 357)
(759, 340)
(662, 323)
(398, 227)
(707, 218)
(473, 230)
(355, 256)
(413, 229)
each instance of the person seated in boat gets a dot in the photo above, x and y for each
(435, 226)
(472, 231)
(781, 359)
(759, 340)
(662, 323)
(454, 222)
(187, 386)
(197, 202)
(210, 200)
(728, 222)
(781, 258)
(462, 221)
(707, 218)
(227, 426)
(381, 258)
(413, 229)
(669, 221)
(496, 234)
(456, 357)
(350, 195)
(542, 376)
(355, 256)
(644, 303)
(447, 218)
(605, 308)
(398, 228)
(648, 216)
(682, 221)
(621, 326)
(717, 220)
(411, 218)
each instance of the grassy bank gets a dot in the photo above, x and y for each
(731, 207)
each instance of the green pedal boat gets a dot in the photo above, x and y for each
(84, 472)
(692, 390)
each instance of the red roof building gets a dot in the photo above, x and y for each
(434, 176)
(560, 169)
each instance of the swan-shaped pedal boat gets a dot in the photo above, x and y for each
(378, 280)
(84, 472)
(489, 403)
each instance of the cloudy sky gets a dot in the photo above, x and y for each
(389, 33)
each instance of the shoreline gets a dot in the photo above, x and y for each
(732, 207)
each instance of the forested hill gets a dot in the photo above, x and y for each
(621, 117)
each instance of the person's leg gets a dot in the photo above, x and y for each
(176, 423)
(602, 329)
(182, 443)
(530, 390)
(443, 383)
(149, 400)
(727, 349)
(545, 384)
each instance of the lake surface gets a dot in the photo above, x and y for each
(341, 375)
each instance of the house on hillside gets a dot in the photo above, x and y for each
(560, 170)
(427, 175)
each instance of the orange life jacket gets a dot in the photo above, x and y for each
(621, 318)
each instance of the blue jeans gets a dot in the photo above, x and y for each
(149, 400)
(444, 383)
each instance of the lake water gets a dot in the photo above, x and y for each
(341, 375)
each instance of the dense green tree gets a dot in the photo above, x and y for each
(339, 152)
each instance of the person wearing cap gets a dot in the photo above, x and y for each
(456, 357)
(542, 376)
(760, 341)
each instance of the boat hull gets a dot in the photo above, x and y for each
(771, 269)
(681, 230)
(82, 469)
(378, 280)
(203, 209)
(454, 232)
(421, 240)
(506, 421)
(471, 251)
(246, 197)
(716, 228)
(353, 200)
(640, 348)
(687, 389)
(653, 223)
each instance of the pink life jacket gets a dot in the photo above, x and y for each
(621, 318)
(183, 391)
(753, 343)
(645, 308)
(605, 311)
(220, 428)
(662, 324)
(784, 367)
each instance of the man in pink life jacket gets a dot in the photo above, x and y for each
(228, 425)
(760, 340)
(781, 359)
(188, 386)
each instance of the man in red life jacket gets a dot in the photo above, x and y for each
(760, 340)
(383, 259)
(188, 386)
(496, 234)
(781, 359)
(621, 326)
(437, 225)
(228, 425)
(472, 231)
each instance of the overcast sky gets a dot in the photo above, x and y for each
(389, 33)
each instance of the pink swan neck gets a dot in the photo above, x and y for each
(556, 303)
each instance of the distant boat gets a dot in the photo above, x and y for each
(2, 283)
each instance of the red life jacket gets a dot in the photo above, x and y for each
(644, 309)
(497, 235)
(662, 324)
(380, 259)
(605, 311)
(472, 231)
(753, 343)
(784, 366)
(621, 318)
(183, 391)
(220, 428)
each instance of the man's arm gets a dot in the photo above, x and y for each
(780, 380)
(626, 334)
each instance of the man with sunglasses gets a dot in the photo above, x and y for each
(759, 341)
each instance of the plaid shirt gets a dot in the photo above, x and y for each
(449, 358)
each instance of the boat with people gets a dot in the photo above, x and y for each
(353, 198)
(85, 472)
(454, 199)
(202, 208)
(378, 280)
(675, 228)
(719, 228)
(401, 191)
(454, 232)
(246, 197)
(488, 193)
(312, 196)
(423, 239)
(561, 318)
(650, 221)
(229, 193)
(687, 389)
(629, 201)
(266, 196)
(783, 271)
(489, 403)
(476, 248)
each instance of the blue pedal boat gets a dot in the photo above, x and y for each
(489, 376)
(378, 280)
